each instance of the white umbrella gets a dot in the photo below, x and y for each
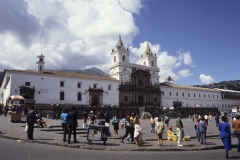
(17, 98)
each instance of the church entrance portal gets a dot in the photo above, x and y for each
(140, 101)
(95, 101)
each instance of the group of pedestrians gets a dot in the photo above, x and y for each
(133, 127)
(224, 129)
(69, 123)
(129, 127)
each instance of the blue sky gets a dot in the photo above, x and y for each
(197, 42)
(209, 30)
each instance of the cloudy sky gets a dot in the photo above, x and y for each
(197, 42)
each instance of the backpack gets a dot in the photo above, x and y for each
(195, 126)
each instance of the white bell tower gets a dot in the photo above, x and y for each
(119, 68)
(120, 53)
(40, 63)
(149, 59)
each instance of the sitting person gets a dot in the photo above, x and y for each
(41, 122)
(170, 133)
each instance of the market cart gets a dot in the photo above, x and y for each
(97, 133)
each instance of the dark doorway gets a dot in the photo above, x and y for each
(95, 101)
(26, 97)
(140, 101)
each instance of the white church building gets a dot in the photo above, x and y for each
(59, 87)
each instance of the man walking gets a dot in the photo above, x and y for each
(203, 130)
(180, 129)
(72, 124)
(128, 128)
(31, 119)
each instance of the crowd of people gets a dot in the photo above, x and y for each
(224, 128)
(131, 124)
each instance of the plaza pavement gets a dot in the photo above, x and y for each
(52, 136)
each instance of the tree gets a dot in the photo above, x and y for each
(169, 79)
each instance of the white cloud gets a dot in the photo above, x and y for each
(76, 46)
(72, 34)
(77, 35)
(186, 58)
(132, 6)
(185, 73)
(137, 52)
(206, 79)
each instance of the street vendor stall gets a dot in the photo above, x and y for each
(97, 133)
(16, 105)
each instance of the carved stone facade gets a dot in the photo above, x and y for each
(27, 92)
(139, 83)
(139, 91)
(95, 96)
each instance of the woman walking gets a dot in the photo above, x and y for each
(64, 118)
(225, 135)
(137, 132)
(159, 128)
(115, 123)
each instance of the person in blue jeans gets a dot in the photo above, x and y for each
(236, 128)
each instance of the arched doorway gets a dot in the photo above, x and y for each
(95, 101)
(140, 101)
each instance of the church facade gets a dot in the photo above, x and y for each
(139, 83)
(128, 84)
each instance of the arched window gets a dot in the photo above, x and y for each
(123, 58)
(40, 68)
(62, 95)
(114, 59)
(144, 63)
(152, 63)
(79, 96)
